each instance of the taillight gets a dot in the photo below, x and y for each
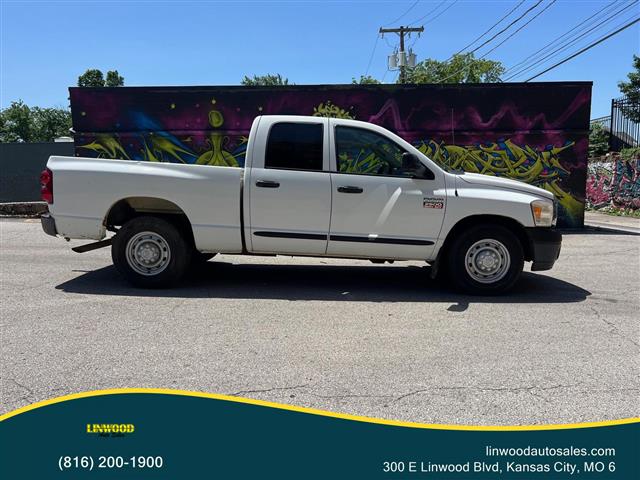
(46, 185)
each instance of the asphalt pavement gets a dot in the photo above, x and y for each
(340, 335)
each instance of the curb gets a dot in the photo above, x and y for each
(23, 209)
(612, 228)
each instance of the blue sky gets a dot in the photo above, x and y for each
(46, 45)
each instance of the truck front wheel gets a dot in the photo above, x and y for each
(150, 252)
(485, 260)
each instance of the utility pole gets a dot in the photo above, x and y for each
(402, 62)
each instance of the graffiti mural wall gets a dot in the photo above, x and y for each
(614, 183)
(534, 132)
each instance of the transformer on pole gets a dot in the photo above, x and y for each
(400, 59)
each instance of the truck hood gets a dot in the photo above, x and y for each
(505, 183)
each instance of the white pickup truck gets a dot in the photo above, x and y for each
(311, 187)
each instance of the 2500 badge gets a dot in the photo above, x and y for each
(433, 202)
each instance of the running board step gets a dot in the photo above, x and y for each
(92, 246)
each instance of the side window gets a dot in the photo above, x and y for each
(294, 146)
(368, 153)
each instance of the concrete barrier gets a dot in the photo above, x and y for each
(20, 167)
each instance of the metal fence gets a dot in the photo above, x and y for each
(624, 131)
(602, 121)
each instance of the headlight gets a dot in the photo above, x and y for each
(543, 213)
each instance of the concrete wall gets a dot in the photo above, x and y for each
(20, 167)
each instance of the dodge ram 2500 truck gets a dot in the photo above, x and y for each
(312, 187)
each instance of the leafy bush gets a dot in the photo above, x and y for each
(630, 153)
(598, 141)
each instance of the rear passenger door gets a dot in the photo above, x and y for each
(289, 187)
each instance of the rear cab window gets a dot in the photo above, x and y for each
(295, 146)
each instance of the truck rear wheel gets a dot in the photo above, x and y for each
(150, 252)
(486, 260)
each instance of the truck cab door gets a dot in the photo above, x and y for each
(379, 208)
(288, 206)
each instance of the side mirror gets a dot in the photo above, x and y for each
(410, 162)
(412, 165)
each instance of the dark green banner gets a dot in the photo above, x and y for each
(163, 434)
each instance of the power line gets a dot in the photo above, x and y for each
(568, 43)
(581, 24)
(372, 54)
(588, 47)
(520, 28)
(507, 27)
(490, 28)
(562, 46)
(415, 39)
(606, 33)
(403, 15)
(462, 70)
(433, 19)
(392, 47)
(429, 13)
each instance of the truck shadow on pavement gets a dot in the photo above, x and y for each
(324, 282)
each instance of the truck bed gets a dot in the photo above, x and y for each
(208, 196)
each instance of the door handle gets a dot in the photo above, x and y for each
(350, 189)
(267, 184)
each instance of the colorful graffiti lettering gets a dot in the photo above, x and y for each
(614, 183)
(536, 133)
(504, 158)
(328, 109)
(162, 146)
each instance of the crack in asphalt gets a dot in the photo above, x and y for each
(267, 390)
(328, 397)
(613, 327)
(530, 389)
(24, 387)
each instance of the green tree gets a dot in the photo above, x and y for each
(50, 123)
(461, 68)
(15, 123)
(365, 80)
(265, 80)
(631, 90)
(598, 141)
(91, 78)
(21, 123)
(114, 79)
(95, 78)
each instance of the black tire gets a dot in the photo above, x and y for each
(500, 245)
(163, 240)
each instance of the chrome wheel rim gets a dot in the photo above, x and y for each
(148, 253)
(487, 261)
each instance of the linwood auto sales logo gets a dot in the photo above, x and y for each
(110, 429)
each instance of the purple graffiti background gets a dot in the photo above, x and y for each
(535, 132)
